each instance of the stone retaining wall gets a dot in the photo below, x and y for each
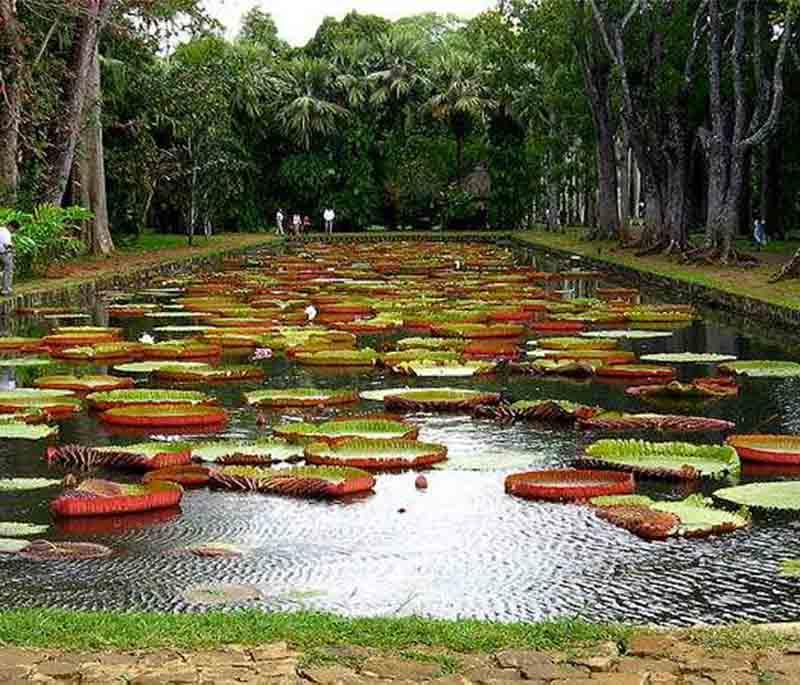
(83, 294)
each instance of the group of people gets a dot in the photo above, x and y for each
(300, 224)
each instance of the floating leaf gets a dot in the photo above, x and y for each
(665, 459)
(43, 550)
(430, 369)
(14, 529)
(621, 501)
(627, 334)
(266, 451)
(211, 595)
(150, 367)
(348, 428)
(768, 449)
(762, 369)
(790, 568)
(299, 397)
(441, 399)
(12, 546)
(24, 362)
(781, 495)
(688, 358)
(568, 484)
(14, 484)
(124, 398)
(376, 454)
(699, 519)
(13, 430)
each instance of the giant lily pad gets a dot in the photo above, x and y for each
(376, 455)
(24, 362)
(552, 410)
(171, 416)
(246, 452)
(299, 397)
(431, 369)
(22, 484)
(12, 545)
(365, 357)
(97, 383)
(665, 459)
(43, 550)
(568, 484)
(688, 358)
(698, 518)
(615, 421)
(762, 369)
(627, 334)
(309, 481)
(221, 374)
(385, 429)
(103, 498)
(768, 449)
(150, 367)
(146, 397)
(779, 496)
(18, 430)
(15, 529)
(442, 399)
(576, 343)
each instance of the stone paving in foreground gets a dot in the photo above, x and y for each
(649, 660)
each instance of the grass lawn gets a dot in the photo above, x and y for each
(752, 282)
(148, 250)
(61, 629)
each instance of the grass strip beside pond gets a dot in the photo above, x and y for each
(747, 282)
(55, 628)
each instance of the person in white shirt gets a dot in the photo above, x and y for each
(279, 221)
(329, 215)
(297, 224)
(7, 255)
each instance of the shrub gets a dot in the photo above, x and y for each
(48, 235)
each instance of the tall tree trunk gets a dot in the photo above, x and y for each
(10, 71)
(624, 166)
(772, 188)
(88, 25)
(93, 166)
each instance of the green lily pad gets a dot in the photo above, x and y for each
(150, 367)
(778, 496)
(687, 358)
(268, 449)
(699, 518)
(630, 334)
(621, 501)
(24, 362)
(665, 459)
(19, 484)
(15, 529)
(12, 545)
(763, 369)
(17, 430)
(790, 568)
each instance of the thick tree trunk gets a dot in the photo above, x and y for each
(10, 69)
(88, 25)
(93, 167)
(624, 166)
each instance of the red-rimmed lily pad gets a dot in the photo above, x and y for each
(678, 460)
(246, 452)
(99, 352)
(102, 401)
(142, 456)
(365, 357)
(300, 397)
(91, 383)
(171, 416)
(181, 350)
(190, 475)
(101, 498)
(443, 399)
(615, 421)
(636, 372)
(768, 449)
(563, 485)
(221, 374)
(309, 481)
(329, 431)
(376, 455)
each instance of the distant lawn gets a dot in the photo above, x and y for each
(749, 282)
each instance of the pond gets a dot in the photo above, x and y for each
(460, 548)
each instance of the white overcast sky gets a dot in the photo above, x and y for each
(298, 19)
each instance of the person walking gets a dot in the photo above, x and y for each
(7, 255)
(279, 218)
(330, 216)
(297, 224)
(760, 232)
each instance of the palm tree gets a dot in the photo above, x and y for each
(304, 92)
(461, 96)
(398, 76)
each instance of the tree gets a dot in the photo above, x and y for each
(461, 97)
(737, 127)
(11, 49)
(305, 87)
(259, 29)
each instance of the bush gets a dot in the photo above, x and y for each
(48, 235)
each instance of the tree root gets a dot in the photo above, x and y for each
(789, 271)
(714, 256)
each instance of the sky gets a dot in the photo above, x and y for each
(298, 20)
